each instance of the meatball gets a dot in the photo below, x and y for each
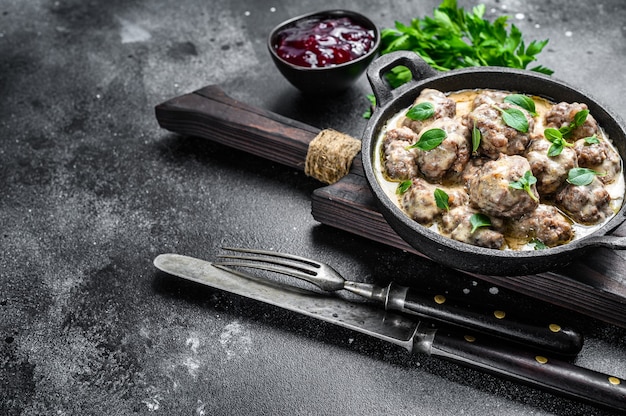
(456, 224)
(450, 156)
(588, 204)
(547, 224)
(497, 137)
(399, 160)
(600, 157)
(491, 192)
(444, 107)
(550, 171)
(562, 115)
(418, 202)
(489, 97)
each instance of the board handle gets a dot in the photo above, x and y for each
(211, 114)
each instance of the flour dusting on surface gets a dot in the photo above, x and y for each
(235, 340)
(131, 32)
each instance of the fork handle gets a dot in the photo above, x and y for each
(550, 337)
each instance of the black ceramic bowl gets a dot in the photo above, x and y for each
(324, 80)
(446, 250)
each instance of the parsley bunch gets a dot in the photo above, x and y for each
(453, 38)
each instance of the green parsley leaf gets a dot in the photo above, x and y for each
(455, 38)
(514, 118)
(582, 176)
(579, 119)
(421, 111)
(404, 186)
(592, 140)
(430, 139)
(523, 101)
(525, 183)
(442, 199)
(479, 220)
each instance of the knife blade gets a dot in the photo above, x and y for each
(479, 352)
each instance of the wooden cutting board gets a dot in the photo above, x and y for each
(594, 285)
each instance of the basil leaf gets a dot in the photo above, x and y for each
(525, 183)
(552, 134)
(523, 101)
(581, 176)
(555, 149)
(539, 245)
(430, 139)
(514, 118)
(592, 140)
(421, 111)
(404, 186)
(479, 220)
(580, 117)
(442, 199)
(476, 138)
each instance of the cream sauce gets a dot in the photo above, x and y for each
(464, 100)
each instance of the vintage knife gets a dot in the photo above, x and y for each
(483, 353)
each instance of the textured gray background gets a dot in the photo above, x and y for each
(93, 190)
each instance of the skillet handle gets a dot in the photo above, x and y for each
(375, 73)
(607, 241)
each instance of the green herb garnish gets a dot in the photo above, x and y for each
(582, 176)
(404, 186)
(538, 244)
(372, 99)
(579, 120)
(430, 139)
(555, 137)
(421, 111)
(476, 137)
(442, 199)
(514, 118)
(453, 38)
(523, 101)
(525, 183)
(592, 140)
(479, 220)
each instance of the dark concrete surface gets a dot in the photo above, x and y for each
(93, 190)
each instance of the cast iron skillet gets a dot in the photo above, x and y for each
(445, 250)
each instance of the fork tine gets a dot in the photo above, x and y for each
(264, 265)
(274, 254)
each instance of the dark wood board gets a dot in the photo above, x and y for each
(594, 285)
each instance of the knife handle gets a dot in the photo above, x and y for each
(537, 370)
(211, 114)
(550, 337)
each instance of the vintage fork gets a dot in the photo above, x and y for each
(548, 337)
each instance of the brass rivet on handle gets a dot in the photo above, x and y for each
(469, 338)
(554, 327)
(499, 314)
(439, 299)
(614, 380)
(541, 359)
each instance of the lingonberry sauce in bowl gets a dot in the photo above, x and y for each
(325, 52)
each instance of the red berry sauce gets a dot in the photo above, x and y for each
(325, 42)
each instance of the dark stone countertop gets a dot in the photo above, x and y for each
(93, 190)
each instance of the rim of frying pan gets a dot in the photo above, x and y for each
(508, 79)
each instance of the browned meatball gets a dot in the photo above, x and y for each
(588, 204)
(491, 192)
(450, 156)
(399, 160)
(497, 137)
(547, 224)
(419, 200)
(444, 107)
(600, 157)
(489, 97)
(562, 114)
(550, 171)
(456, 224)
